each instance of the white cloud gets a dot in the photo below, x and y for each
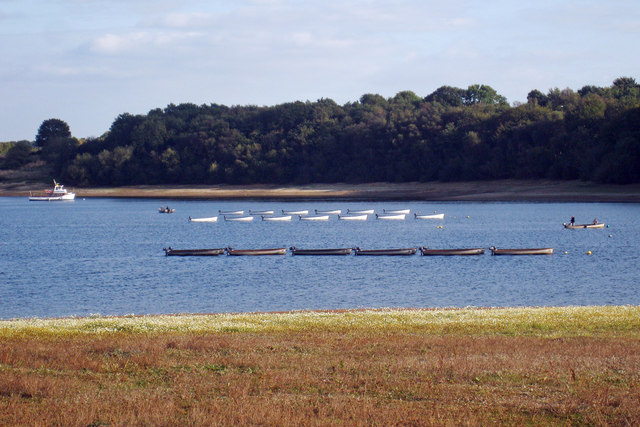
(137, 41)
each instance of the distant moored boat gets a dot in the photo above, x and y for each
(57, 193)
(525, 251)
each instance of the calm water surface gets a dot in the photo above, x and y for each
(104, 256)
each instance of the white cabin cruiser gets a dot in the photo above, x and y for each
(56, 194)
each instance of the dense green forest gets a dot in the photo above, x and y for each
(592, 134)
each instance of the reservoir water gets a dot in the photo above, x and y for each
(104, 256)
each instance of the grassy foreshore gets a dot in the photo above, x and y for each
(506, 190)
(517, 366)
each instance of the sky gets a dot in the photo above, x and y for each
(88, 61)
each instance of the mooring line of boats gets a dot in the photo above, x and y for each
(317, 215)
(356, 251)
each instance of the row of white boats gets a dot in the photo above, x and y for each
(317, 215)
(357, 251)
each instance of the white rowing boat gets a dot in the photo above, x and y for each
(329, 212)
(277, 218)
(208, 219)
(433, 216)
(314, 218)
(238, 218)
(360, 212)
(267, 212)
(396, 211)
(353, 217)
(299, 212)
(221, 212)
(398, 217)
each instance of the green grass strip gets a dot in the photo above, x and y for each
(552, 322)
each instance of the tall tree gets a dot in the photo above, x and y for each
(50, 130)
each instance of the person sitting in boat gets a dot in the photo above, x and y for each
(573, 220)
(595, 221)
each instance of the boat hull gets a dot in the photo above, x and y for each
(315, 218)
(434, 216)
(391, 217)
(238, 218)
(353, 217)
(329, 212)
(193, 252)
(249, 252)
(577, 226)
(386, 252)
(300, 212)
(66, 198)
(277, 218)
(524, 251)
(447, 252)
(360, 212)
(210, 219)
(396, 211)
(231, 212)
(261, 212)
(339, 251)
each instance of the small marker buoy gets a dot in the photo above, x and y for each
(440, 226)
(610, 235)
(566, 252)
(468, 216)
(588, 252)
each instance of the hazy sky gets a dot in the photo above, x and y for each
(87, 61)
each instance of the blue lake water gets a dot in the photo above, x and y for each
(104, 256)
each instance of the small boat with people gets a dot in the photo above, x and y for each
(360, 211)
(267, 212)
(337, 251)
(238, 218)
(573, 226)
(165, 209)
(362, 217)
(240, 252)
(314, 218)
(448, 252)
(207, 219)
(283, 218)
(296, 212)
(236, 212)
(55, 194)
(431, 216)
(398, 217)
(193, 252)
(396, 211)
(383, 252)
(523, 251)
(328, 212)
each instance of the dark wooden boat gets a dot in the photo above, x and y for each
(576, 226)
(470, 251)
(393, 252)
(527, 251)
(274, 251)
(338, 251)
(192, 252)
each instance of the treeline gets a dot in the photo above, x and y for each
(592, 134)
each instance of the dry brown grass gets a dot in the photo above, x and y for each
(395, 375)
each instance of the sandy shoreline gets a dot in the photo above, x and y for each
(507, 190)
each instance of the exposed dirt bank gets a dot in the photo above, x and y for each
(508, 190)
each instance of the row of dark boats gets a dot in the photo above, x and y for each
(357, 251)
